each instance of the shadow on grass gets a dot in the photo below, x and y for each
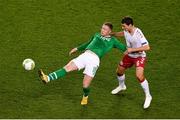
(84, 111)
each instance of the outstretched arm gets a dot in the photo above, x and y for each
(81, 47)
(117, 34)
(120, 46)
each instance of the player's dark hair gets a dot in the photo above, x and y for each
(127, 20)
(109, 25)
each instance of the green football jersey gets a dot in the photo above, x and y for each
(101, 45)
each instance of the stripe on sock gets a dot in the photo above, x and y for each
(51, 77)
(55, 75)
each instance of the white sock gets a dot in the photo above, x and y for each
(145, 87)
(121, 80)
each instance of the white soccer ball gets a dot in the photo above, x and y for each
(28, 64)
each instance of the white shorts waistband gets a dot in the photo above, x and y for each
(92, 54)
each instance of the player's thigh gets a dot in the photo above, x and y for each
(87, 80)
(140, 73)
(91, 69)
(71, 66)
(140, 62)
(76, 64)
(125, 63)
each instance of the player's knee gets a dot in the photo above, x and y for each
(70, 67)
(86, 83)
(67, 68)
(140, 78)
(119, 72)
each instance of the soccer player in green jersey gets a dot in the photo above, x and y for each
(95, 49)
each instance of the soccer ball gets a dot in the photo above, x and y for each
(28, 64)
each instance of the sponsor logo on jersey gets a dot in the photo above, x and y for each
(105, 38)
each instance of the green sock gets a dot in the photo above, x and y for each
(57, 74)
(86, 91)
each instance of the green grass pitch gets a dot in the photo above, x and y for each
(46, 30)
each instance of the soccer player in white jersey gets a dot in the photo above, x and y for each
(137, 44)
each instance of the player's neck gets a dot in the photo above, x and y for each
(132, 30)
(106, 35)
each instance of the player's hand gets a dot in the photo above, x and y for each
(72, 51)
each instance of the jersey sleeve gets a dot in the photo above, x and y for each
(142, 38)
(84, 45)
(119, 45)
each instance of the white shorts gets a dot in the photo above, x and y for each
(89, 61)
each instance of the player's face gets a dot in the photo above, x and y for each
(125, 27)
(105, 30)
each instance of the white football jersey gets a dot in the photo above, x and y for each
(134, 41)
